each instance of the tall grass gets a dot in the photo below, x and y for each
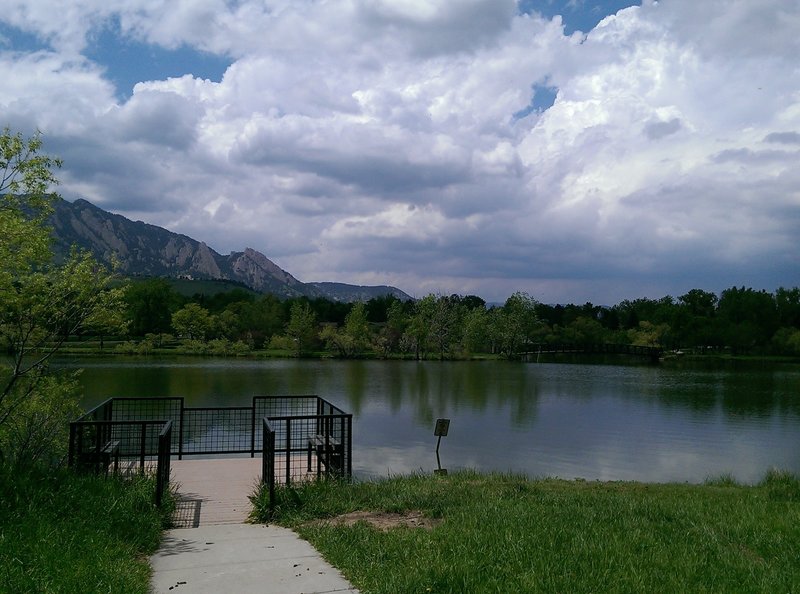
(505, 533)
(62, 532)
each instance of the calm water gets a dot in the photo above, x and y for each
(591, 421)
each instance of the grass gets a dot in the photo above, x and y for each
(506, 533)
(62, 532)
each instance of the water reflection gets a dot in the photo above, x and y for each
(593, 421)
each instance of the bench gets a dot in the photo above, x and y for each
(329, 451)
(97, 459)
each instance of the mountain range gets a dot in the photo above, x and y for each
(143, 250)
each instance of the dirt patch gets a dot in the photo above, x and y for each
(384, 521)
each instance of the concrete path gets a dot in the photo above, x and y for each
(216, 552)
(241, 559)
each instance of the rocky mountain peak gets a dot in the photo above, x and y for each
(147, 250)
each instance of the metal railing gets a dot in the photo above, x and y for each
(305, 438)
(268, 461)
(533, 350)
(302, 437)
(162, 466)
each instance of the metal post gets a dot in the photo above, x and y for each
(142, 449)
(349, 445)
(288, 450)
(253, 428)
(340, 470)
(180, 434)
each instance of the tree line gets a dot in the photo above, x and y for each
(740, 320)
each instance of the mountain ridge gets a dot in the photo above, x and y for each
(143, 249)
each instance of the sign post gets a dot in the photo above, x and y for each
(441, 429)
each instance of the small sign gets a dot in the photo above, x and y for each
(442, 427)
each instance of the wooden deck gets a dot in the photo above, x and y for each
(216, 491)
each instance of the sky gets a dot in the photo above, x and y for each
(577, 150)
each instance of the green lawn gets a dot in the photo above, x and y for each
(501, 533)
(60, 532)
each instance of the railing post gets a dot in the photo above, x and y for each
(288, 450)
(349, 446)
(164, 453)
(180, 434)
(268, 462)
(253, 429)
(142, 448)
(342, 464)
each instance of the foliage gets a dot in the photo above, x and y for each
(150, 305)
(443, 327)
(507, 533)
(302, 327)
(62, 532)
(218, 347)
(41, 305)
(192, 321)
(418, 329)
(37, 430)
(516, 323)
(353, 338)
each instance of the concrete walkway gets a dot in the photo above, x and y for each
(216, 552)
(241, 559)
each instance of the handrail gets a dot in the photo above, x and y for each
(163, 464)
(268, 461)
(291, 426)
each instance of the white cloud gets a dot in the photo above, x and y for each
(366, 139)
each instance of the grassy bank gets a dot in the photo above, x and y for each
(500, 533)
(60, 532)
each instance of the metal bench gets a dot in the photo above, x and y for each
(101, 459)
(329, 452)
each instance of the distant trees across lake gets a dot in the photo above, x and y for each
(740, 320)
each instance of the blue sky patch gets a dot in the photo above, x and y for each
(16, 40)
(577, 15)
(128, 61)
(542, 99)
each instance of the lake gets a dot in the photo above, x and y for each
(608, 422)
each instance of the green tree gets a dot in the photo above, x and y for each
(351, 339)
(418, 330)
(747, 318)
(192, 321)
(108, 318)
(446, 324)
(788, 303)
(584, 330)
(41, 305)
(648, 334)
(476, 330)
(356, 327)
(150, 305)
(302, 326)
(694, 322)
(392, 332)
(517, 323)
(255, 320)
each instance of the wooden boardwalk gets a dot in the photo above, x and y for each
(217, 491)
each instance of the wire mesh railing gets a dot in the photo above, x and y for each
(95, 445)
(300, 437)
(217, 430)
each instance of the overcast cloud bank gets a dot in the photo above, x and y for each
(378, 142)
